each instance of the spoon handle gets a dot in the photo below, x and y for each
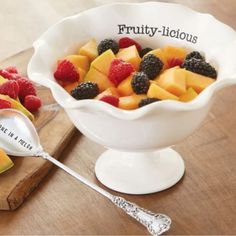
(156, 224)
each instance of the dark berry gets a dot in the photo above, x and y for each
(140, 83)
(86, 90)
(194, 54)
(200, 67)
(107, 44)
(147, 101)
(144, 51)
(151, 66)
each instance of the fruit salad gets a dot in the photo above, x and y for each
(18, 92)
(127, 76)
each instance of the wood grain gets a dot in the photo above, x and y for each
(55, 130)
(202, 203)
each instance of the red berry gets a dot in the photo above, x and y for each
(175, 61)
(11, 69)
(66, 72)
(119, 70)
(32, 103)
(26, 87)
(7, 75)
(10, 88)
(114, 101)
(127, 42)
(4, 104)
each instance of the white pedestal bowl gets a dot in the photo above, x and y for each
(139, 159)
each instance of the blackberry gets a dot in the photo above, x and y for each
(140, 83)
(107, 44)
(151, 66)
(147, 101)
(194, 54)
(200, 67)
(144, 51)
(86, 90)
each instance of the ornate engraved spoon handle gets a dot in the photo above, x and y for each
(155, 223)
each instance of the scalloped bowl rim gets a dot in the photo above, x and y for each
(202, 99)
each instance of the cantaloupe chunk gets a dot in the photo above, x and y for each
(112, 91)
(96, 76)
(130, 55)
(188, 96)
(71, 86)
(155, 91)
(125, 88)
(173, 80)
(102, 63)
(89, 50)
(131, 102)
(161, 55)
(174, 52)
(5, 162)
(18, 106)
(197, 82)
(79, 61)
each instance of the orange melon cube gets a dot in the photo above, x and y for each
(102, 63)
(174, 52)
(112, 91)
(188, 96)
(197, 82)
(131, 102)
(130, 55)
(125, 88)
(96, 76)
(155, 91)
(5, 162)
(173, 80)
(79, 61)
(71, 86)
(89, 50)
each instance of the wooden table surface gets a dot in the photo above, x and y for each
(203, 202)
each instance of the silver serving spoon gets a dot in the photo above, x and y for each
(18, 137)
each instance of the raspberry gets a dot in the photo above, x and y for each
(151, 66)
(7, 75)
(119, 70)
(114, 101)
(4, 104)
(107, 44)
(140, 83)
(10, 88)
(175, 61)
(147, 101)
(26, 87)
(11, 69)
(66, 72)
(32, 103)
(127, 42)
(86, 90)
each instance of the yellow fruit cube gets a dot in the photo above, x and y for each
(5, 162)
(131, 102)
(79, 61)
(173, 80)
(130, 55)
(112, 91)
(155, 91)
(197, 82)
(174, 52)
(102, 63)
(89, 50)
(71, 86)
(125, 88)
(96, 76)
(188, 96)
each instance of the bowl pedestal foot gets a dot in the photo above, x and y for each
(139, 173)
